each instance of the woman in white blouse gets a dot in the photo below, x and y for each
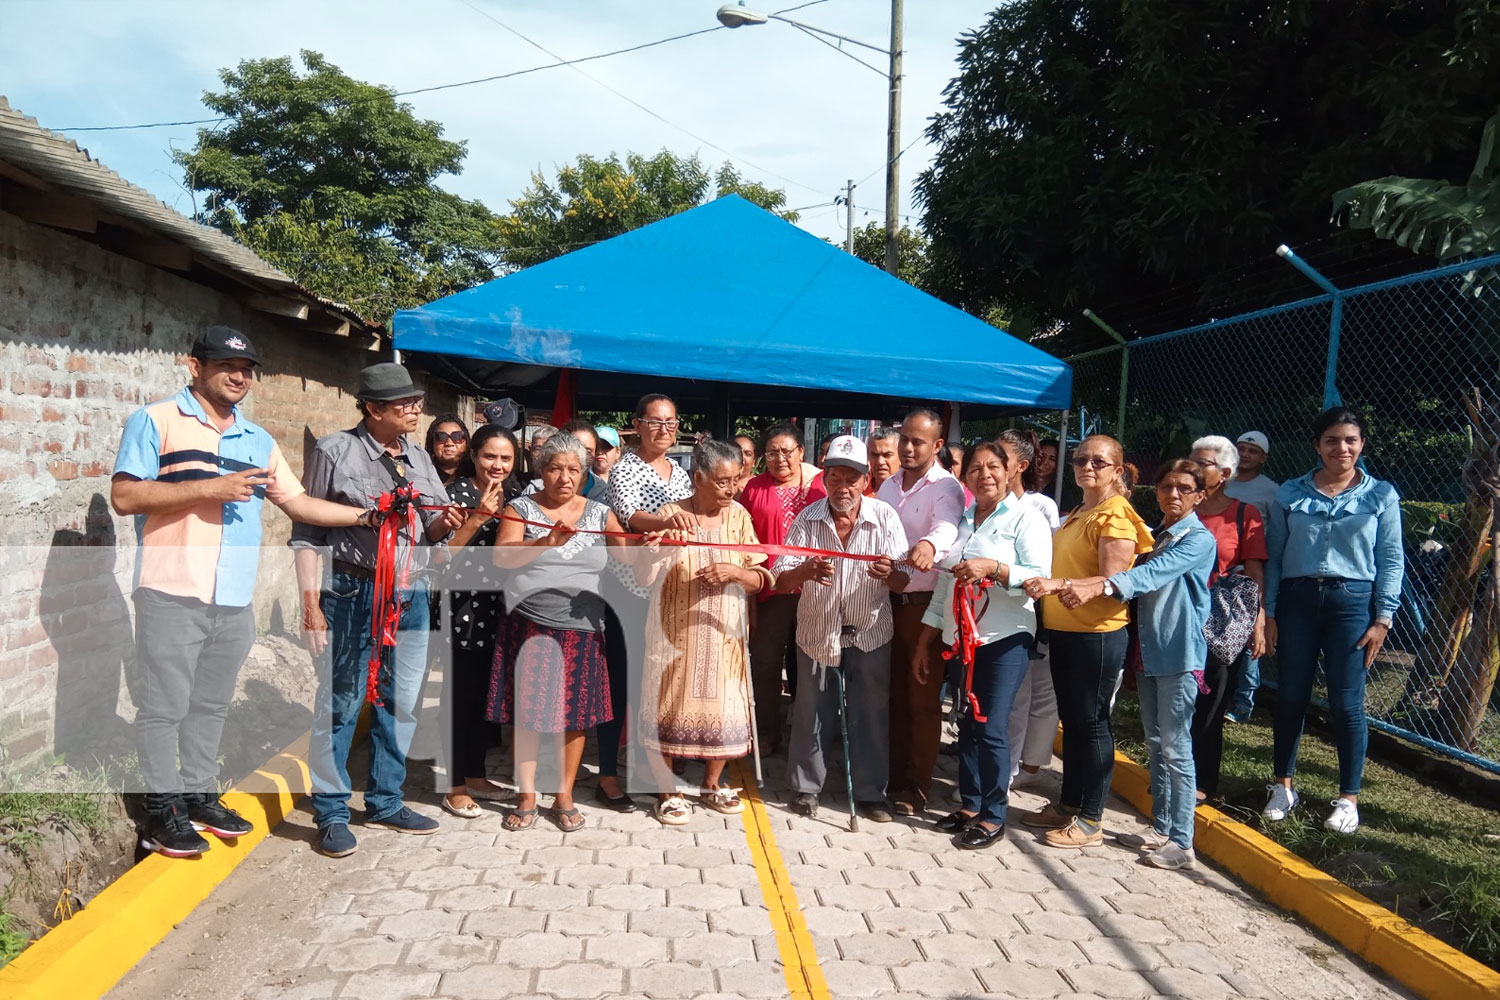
(1006, 542)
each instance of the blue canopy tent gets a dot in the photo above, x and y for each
(727, 308)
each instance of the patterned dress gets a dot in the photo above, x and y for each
(695, 700)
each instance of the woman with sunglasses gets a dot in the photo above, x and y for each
(1101, 537)
(448, 445)
(1169, 585)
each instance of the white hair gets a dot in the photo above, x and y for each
(561, 444)
(1225, 455)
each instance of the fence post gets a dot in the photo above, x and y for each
(1124, 369)
(1335, 323)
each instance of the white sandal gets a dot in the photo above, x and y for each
(470, 811)
(724, 800)
(673, 810)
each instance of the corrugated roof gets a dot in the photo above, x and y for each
(63, 165)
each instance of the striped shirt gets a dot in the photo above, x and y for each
(853, 598)
(208, 552)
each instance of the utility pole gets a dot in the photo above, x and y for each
(849, 223)
(893, 147)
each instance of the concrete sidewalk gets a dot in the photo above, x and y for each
(626, 907)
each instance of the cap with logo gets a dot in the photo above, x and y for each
(848, 451)
(503, 413)
(609, 436)
(221, 343)
(386, 381)
(1256, 438)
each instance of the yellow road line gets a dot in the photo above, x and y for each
(799, 960)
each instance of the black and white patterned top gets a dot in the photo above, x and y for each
(634, 486)
(475, 614)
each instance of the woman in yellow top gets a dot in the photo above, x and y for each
(1100, 537)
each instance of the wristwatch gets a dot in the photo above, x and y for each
(1109, 589)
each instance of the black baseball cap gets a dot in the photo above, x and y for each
(220, 343)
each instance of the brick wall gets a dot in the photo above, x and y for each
(87, 337)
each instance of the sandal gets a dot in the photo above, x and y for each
(567, 820)
(520, 819)
(470, 811)
(673, 810)
(723, 799)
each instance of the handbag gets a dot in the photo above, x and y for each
(1234, 606)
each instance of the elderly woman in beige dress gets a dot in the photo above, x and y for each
(696, 697)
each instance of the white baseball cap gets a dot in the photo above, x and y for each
(1256, 438)
(848, 451)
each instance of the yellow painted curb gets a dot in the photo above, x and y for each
(1408, 954)
(799, 960)
(85, 956)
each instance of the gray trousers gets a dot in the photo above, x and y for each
(189, 657)
(815, 722)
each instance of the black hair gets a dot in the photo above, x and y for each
(580, 424)
(1025, 443)
(945, 456)
(827, 439)
(647, 400)
(1184, 467)
(482, 435)
(1047, 443)
(973, 450)
(932, 415)
(465, 465)
(1332, 417)
(780, 430)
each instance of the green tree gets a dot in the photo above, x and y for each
(1099, 151)
(912, 263)
(597, 199)
(334, 181)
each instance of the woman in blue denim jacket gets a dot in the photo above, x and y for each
(1170, 587)
(1333, 583)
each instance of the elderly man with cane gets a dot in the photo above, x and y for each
(844, 623)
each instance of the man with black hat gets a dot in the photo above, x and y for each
(196, 472)
(354, 466)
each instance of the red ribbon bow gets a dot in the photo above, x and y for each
(966, 636)
(385, 618)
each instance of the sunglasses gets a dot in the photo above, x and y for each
(457, 437)
(1082, 461)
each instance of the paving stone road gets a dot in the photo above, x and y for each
(627, 908)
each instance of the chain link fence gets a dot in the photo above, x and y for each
(1406, 353)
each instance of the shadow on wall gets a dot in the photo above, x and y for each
(84, 614)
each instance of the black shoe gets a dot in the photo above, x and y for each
(208, 813)
(954, 822)
(805, 804)
(621, 804)
(975, 837)
(875, 812)
(171, 833)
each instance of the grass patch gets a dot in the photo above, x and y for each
(13, 941)
(1427, 855)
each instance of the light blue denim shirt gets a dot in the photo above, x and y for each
(1170, 589)
(1353, 536)
(1016, 534)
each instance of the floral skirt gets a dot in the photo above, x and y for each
(548, 680)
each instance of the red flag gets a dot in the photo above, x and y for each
(562, 406)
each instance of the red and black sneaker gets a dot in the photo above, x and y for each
(207, 813)
(171, 833)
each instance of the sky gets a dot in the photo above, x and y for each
(790, 111)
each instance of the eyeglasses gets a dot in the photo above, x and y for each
(1174, 488)
(659, 425)
(1084, 461)
(457, 437)
(409, 403)
(786, 453)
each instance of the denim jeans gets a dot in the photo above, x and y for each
(347, 604)
(1167, 705)
(1085, 674)
(1244, 696)
(984, 749)
(1326, 616)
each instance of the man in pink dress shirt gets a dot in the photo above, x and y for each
(930, 503)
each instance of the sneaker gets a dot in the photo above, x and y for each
(1344, 818)
(805, 804)
(208, 813)
(1172, 858)
(1049, 817)
(1282, 801)
(1236, 717)
(171, 833)
(1073, 835)
(1148, 841)
(404, 820)
(336, 841)
(1025, 779)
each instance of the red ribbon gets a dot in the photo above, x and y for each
(385, 617)
(966, 636)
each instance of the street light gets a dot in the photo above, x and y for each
(737, 15)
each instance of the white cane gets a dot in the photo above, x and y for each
(750, 697)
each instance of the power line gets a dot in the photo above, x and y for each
(632, 101)
(419, 90)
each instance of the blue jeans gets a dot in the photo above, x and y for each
(1326, 616)
(1086, 673)
(347, 605)
(1244, 696)
(1167, 705)
(984, 749)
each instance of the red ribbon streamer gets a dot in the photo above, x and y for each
(385, 616)
(966, 636)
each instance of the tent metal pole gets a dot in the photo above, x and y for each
(1062, 453)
